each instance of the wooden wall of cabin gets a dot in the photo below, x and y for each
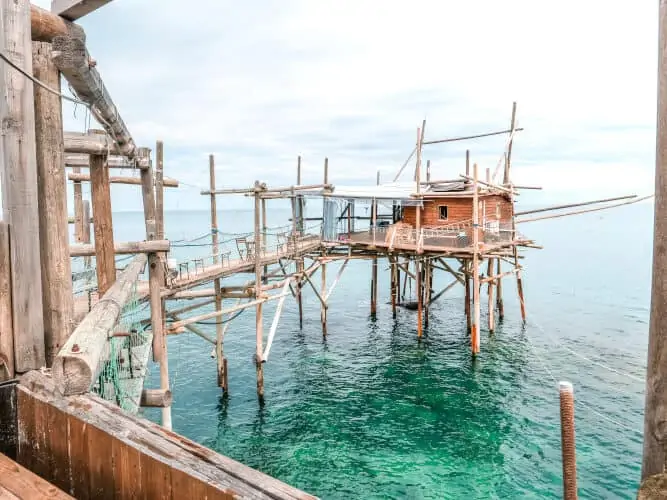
(459, 210)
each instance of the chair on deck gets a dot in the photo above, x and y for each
(241, 248)
(250, 249)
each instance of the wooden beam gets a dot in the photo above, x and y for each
(274, 324)
(468, 137)
(654, 454)
(18, 482)
(78, 177)
(78, 363)
(87, 143)
(103, 226)
(155, 398)
(74, 62)
(58, 302)
(18, 171)
(6, 330)
(82, 160)
(75, 9)
(45, 26)
(123, 248)
(77, 220)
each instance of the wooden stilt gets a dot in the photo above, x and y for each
(397, 282)
(104, 244)
(492, 312)
(58, 303)
(394, 293)
(86, 231)
(78, 208)
(427, 290)
(420, 296)
(475, 266)
(499, 292)
(18, 170)
(323, 309)
(467, 296)
(159, 190)
(219, 330)
(264, 230)
(258, 293)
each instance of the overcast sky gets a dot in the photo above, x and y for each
(258, 83)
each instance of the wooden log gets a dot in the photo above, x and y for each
(428, 272)
(77, 178)
(57, 300)
(78, 363)
(104, 242)
(160, 183)
(45, 26)
(467, 298)
(89, 143)
(74, 9)
(85, 228)
(508, 157)
(73, 61)
(259, 334)
(18, 171)
(83, 161)
(155, 398)
(491, 185)
(78, 209)
(123, 248)
(475, 334)
(6, 329)
(499, 291)
(654, 453)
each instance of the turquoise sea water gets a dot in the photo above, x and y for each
(372, 413)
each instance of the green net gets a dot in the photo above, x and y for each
(126, 362)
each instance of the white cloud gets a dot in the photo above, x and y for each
(258, 83)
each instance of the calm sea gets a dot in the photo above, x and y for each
(372, 413)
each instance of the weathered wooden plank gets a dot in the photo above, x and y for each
(78, 363)
(75, 9)
(6, 330)
(57, 446)
(127, 471)
(77, 177)
(123, 248)
(103, 226)
(27, 435)
(155, 478)
(45, 26)
(23, 483)
(58, 304)
(19, 186)
(77, 436)
(73, 60)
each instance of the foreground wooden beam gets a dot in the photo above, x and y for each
(58, 303)
(125, 248)
(78, 363)
(77, 177)
(6, 330)
(45, 26)
(75, 9)
(18, 482)
(74, 62)
(96, 144)
(83, 160)
(18, 170)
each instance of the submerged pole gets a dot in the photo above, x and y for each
(323, 309)
(475, 265)
(259, 334)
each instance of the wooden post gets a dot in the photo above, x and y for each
(159, 190)
(155, 281)
(655, 411)
(6, 330)
(508, 158)
(419, 266)
(78, 209)
(219, 328)
(418, 262)
(475, 265)
(568, 448)
(489, 272)
(85, 235)
(428, 170)
(258, 293)
(264, 239)
(394, 268)
(323, 309)
(18, 168)
(57, 299)
(374, 273)
(467, 296)
(103, 226)
(428, 270)
(499, 291)
(467, 162)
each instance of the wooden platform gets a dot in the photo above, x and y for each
(18, 482)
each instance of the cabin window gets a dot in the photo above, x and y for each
(442, 212)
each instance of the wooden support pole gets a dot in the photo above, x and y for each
(85, 227)
(568, 447)
(6, 330)
(467, 296)
(259, 334)
(276, 319)
(654, 455)
(77, 178)
(428, 270)
(79, 362)
(420, 295)
(491, 313)
(499, 291)
(467, 162)
(122, 248)
(18, 173)
(78, 208)
(475, 335)
(57, 299)
(393, 279)
(428, 170)
(103, 225)
(159, 190)
(323, 310)
(221, 362)
(264, 247)
(508, 158)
